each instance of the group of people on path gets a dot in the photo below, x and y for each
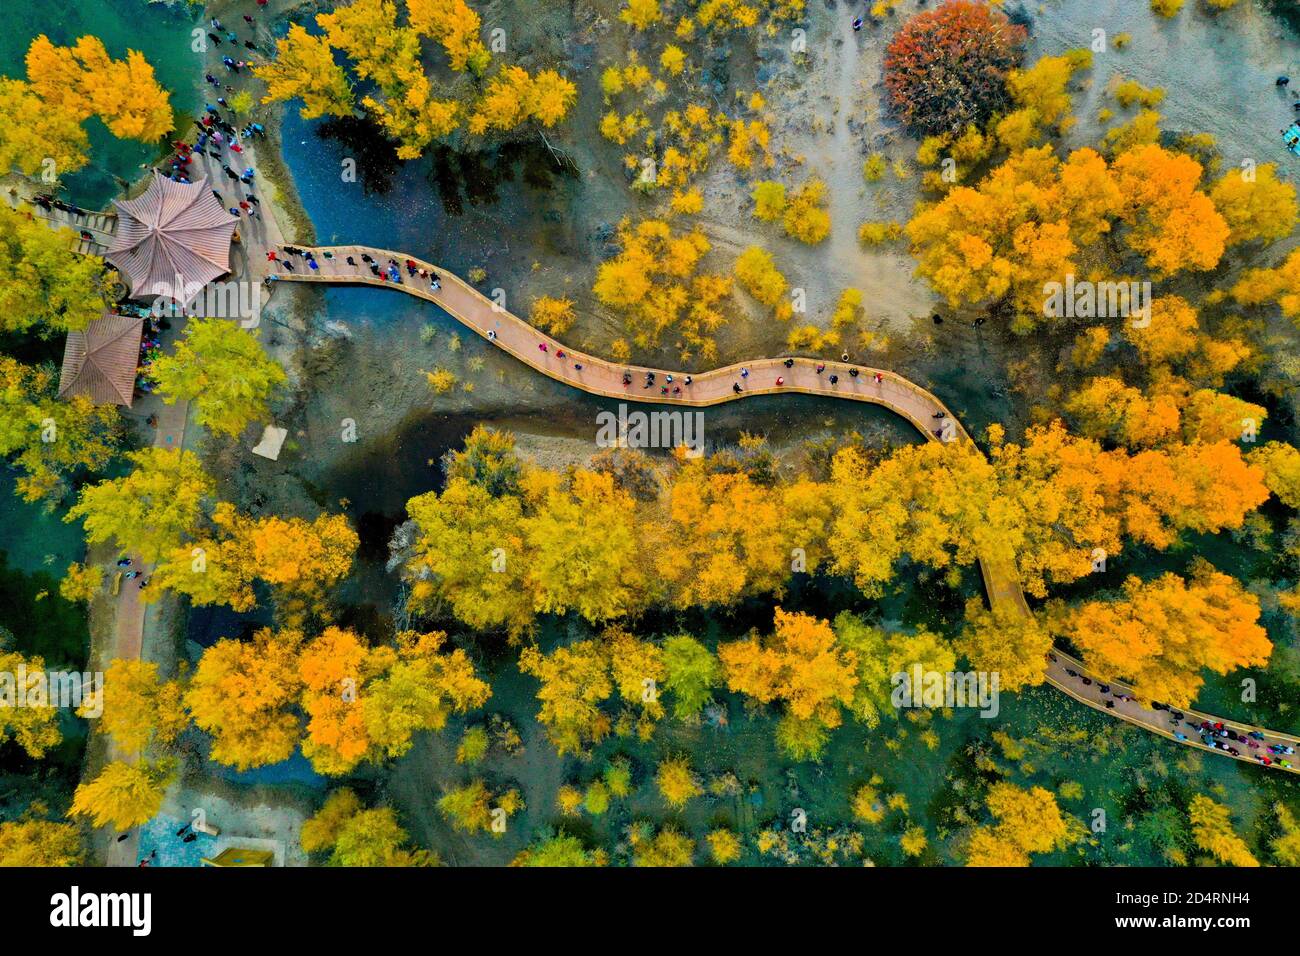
(650, 382)
(218, 137)
(49, 202)
(834, 379)
(133, 574)
(220, 35)
(184, 837)
(1213, 735)
(1218, 737)
(388, 272)
(215, 136)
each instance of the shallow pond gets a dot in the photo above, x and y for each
(158, 30)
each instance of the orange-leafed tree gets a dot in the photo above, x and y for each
(947, 67)
(333, 667)
(1027, 821)
(1257, 207)
(802, 666)
(243, 693)
(1280, 285)
(1172, 222)
(1005, 641)
(366, 703)
(584, 550)
(730, 537)
(299, 559)
(84, 80)
(1161, 634)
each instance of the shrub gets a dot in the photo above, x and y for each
(473, 745)
(553, 315)
(874, 233)
(677, 784)
(805, 219)
(769, 200)
(441, 380)
(758, 273)
(618, 777)
(724, 846)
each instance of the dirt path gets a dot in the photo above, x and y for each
(597, 376)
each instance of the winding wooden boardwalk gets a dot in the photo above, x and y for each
(598, 376)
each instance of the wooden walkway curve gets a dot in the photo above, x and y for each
(598, 376)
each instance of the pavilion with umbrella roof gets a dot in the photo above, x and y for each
(172, 234)
(101, 361)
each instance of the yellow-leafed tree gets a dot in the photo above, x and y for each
(139, 708)
(304, 68)
(243, 694)
(124, 795)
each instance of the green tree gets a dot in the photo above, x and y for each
(223, 370)
(354, 836)
(153, 509)
(693, 672)
(47, 439)
(488, 460)
(42, 280)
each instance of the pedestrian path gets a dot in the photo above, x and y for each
(94, 230)
(598, 376)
